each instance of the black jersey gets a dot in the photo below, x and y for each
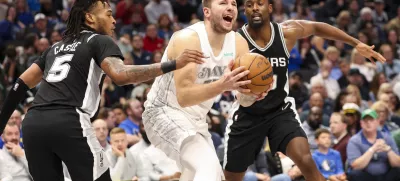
(72, 75)
(278, 55)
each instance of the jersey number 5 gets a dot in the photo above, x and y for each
(59, 70)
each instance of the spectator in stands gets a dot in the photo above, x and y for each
(16, 118)
(330, 83)
(313, 122)
(352, 113)
(112, 94)
(372, 154)
(339, 102)
(338, 126)
(392, 66)
(40, 27)
(332, 54)
(184, 11)
(107, 115)
(356, 78)
(317, 86)
(134, 111)
(100, 127)
(9, 27)
(393, 41)
(377, 81)
(164, 27)
(55, 37)
(119, 112)
(379, 14)
(316, 100)
(328, 160)
(386, 125)
(354, 91)
(344, 66)
(280, 13)
(61, 25)
(365, 68)
(13, 163)
(297, 89)
(155, 8)
(23, 13)
(151, 41)
(126, 8)
(259, 171)
(123, 165)
(158, 165)
(139, 55)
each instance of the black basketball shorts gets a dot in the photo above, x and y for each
(55, 134)
(245, 135)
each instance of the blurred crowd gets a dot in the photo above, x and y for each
(348, 105)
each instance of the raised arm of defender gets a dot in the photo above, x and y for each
(188, 92)
(297, 29)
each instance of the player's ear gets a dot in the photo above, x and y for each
(206, 12)
(270, 9)
(90, 18)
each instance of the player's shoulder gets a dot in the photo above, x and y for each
(185, 39)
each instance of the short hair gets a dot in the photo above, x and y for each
(116, 131)
(321, 131)
(12, 123)
(118, 106)
(206, 3)
(341, 115)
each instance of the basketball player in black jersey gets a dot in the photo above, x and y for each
(71, 73)
(275, 116)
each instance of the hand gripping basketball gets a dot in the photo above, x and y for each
(232, 79)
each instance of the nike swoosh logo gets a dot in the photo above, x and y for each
(252, 49)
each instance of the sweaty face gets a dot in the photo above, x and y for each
(104, 22)
(257, 12)
(222, 15)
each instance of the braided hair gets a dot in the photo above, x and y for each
(76, 19)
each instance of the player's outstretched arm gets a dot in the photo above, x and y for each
(29, 79)
(190, 93)
(123, 74)
(298, 29)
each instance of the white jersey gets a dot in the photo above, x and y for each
(163, 91)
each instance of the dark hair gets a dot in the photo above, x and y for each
(11, 52)
(338, 105)
(320, 131)
(76, 19)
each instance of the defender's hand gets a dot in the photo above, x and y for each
(368, 52)
(189, 56)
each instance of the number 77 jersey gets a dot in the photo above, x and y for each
(72, 74)
(278, 55)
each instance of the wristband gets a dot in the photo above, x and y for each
(168, 66)
(14, 97)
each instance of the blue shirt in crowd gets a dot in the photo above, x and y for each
(358, 145)
(328, 164)
(129, 127)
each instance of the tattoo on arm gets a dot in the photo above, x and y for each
(133, 73)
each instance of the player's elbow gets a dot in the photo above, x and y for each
(183, 102)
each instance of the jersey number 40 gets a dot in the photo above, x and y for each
(59, 70)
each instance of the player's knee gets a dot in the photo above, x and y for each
(304, 161)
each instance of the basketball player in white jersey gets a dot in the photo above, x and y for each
(177, 104)
(275, 116)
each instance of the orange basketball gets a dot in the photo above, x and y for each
(261, 74)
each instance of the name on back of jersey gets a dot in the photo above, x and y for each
(66, 48)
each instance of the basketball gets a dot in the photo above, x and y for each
(261, 74)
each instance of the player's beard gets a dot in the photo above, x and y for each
(256, 25)
(216, 26)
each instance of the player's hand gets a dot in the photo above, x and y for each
(117, 152)
(189, 56)
(231, 79)
(15, 149)
(368, 52)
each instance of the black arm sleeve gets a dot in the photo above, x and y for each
(41, 61)
(13, 98)
(102, 47)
